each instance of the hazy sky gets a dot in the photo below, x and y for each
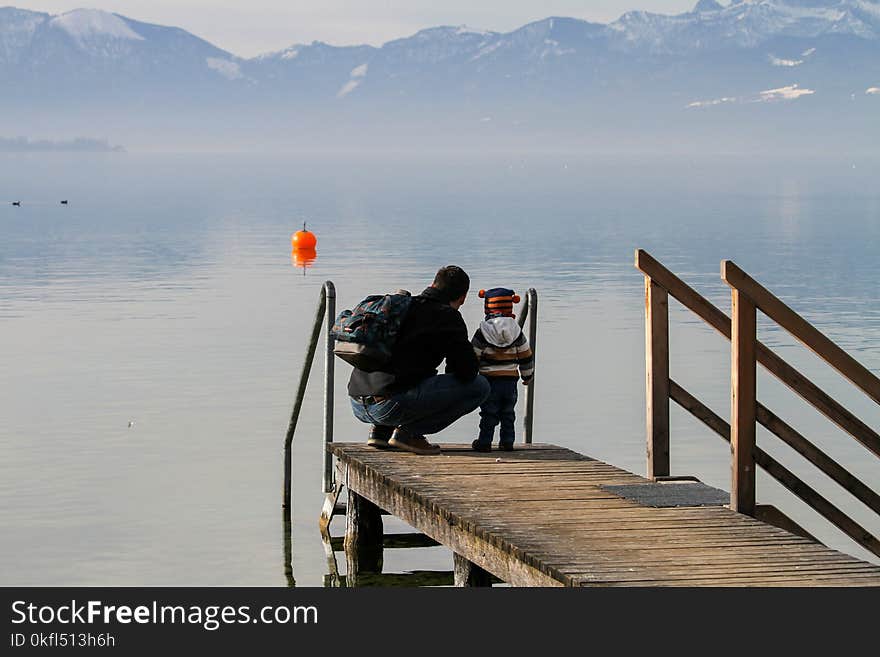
(249, 27)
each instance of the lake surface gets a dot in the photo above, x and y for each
(164, 296)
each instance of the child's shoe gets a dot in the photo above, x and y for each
(506, 447)
(477, 446)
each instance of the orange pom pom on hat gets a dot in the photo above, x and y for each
(499, 301)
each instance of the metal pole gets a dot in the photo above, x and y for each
(532, 313)
(330, 293)
(300, 395)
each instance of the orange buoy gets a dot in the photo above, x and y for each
(303, 239)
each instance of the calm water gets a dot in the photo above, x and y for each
(165, 295)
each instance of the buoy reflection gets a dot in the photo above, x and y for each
(303, 258)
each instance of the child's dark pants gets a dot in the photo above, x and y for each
(500, 406)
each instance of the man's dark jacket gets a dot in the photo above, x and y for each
(431, 331)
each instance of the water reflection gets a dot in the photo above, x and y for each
(365, 560)
(303, 258)
(287, 538)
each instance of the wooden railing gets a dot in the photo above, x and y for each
(748, 297)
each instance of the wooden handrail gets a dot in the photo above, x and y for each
(778, 471)
(771, 361)
(791, 437)
(747, 296)
(685, 294)
(802, 330)
(818, 398)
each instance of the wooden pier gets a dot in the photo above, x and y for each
(547, 516)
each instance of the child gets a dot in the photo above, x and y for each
(505, 355)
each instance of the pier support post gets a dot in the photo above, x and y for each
(468, 573)
(363, 537)
(657, 377)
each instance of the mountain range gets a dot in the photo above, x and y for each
(771, 72)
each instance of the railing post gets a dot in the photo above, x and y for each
(532, 314)
(657, 378)
(300, 395)
(329, 378)
(743, 404)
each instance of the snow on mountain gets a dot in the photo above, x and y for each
(17, 28)
(356, 77)
(788, 92)
(225, 67)
(747, 23)
(464, 29)
(436, 44)
(94, 33)
(778, 61)
(85, 25)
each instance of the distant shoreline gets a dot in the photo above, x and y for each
(77, 145)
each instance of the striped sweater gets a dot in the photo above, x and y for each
(503, 349)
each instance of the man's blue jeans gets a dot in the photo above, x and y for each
(429, 407)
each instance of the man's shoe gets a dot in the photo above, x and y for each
(402, 439)
(379, 436)
(506, 447)
(477, 446)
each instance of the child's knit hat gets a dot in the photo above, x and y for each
(499, 301)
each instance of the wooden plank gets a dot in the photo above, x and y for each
(726, 558)
(802, 330)
(742, 404)
(731, 559)
(639, 572)
(836, 581)
(774, 364)
(645, 529)
(839, 578)
(657, 378)
(639, 541)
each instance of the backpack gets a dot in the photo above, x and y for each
(366, 334)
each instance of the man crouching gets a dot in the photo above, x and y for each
(410, 399)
